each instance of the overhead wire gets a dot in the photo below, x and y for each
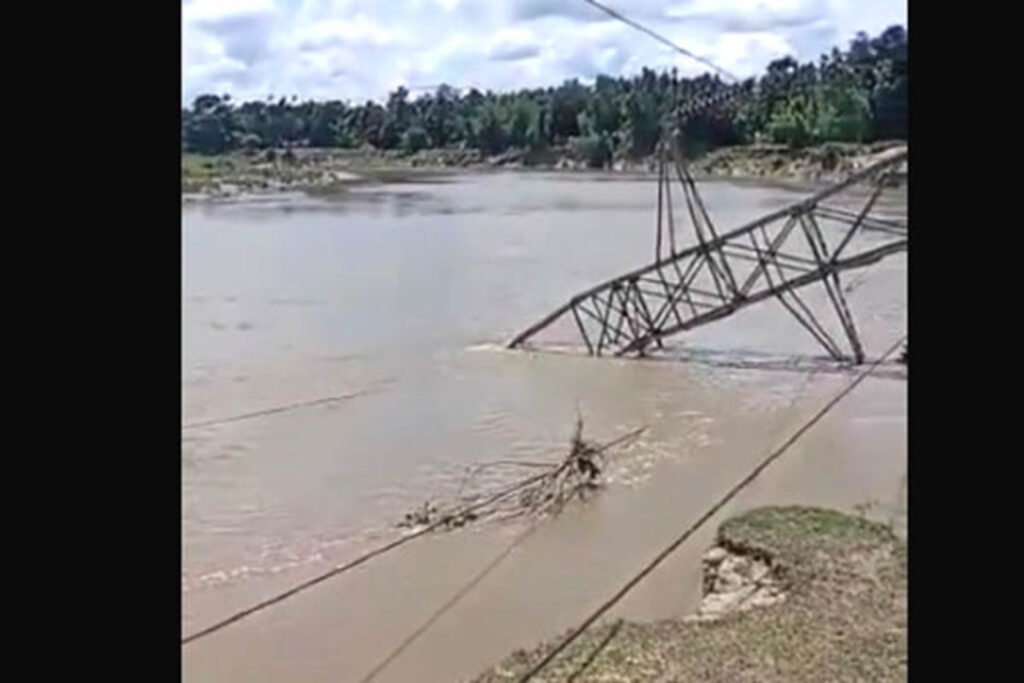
(341, 569)
(443, 520)
(661, 39)
(327, 400)
(449, 604)
(636, 579)
(690, 530)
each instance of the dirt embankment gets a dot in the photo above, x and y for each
(829, 162)
(791, 594)
(335, 171)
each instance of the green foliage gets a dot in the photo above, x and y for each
(594, 149)
(344, 138)
(792, 123)
(489, 133)
(414, 139)
(566, 104)
(643, 124)
(822, 114)
(520, 121)
(844, 115)
(859, 94)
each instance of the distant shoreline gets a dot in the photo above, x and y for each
(334, 171)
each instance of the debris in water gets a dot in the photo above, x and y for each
(545, 491)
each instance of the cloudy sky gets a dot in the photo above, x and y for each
(359, 49)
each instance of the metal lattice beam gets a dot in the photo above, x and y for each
(700, 284)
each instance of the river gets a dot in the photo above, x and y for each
(342, 364)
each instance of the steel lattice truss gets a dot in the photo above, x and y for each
(770, 258)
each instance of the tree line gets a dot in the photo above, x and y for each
(854, 95)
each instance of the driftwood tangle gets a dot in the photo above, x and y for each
(546, 490)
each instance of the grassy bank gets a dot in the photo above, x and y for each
(842, 615)
(335, 170)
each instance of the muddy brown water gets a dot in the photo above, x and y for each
(359, 341)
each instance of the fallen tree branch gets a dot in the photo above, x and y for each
(576, 475)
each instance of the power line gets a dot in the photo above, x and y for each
(277, 409)
(475, 581)
(341, 569)
(596, 652)
(742, 484)
(660, 38)
(461, 593)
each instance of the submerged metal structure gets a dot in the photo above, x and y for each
(774, 257)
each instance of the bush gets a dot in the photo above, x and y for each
(345, 140)
(791, 124)
(594, 150)
(824, 114)
(845, 115)
(414, 139)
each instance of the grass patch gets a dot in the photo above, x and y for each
(198, 166)
(844, 617)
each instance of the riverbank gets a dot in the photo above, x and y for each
(791, 594)
(334, 171)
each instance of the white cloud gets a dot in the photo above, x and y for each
(743, 16)
(514, 45)
(746, 53)
(245, 28)
(358, 49)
